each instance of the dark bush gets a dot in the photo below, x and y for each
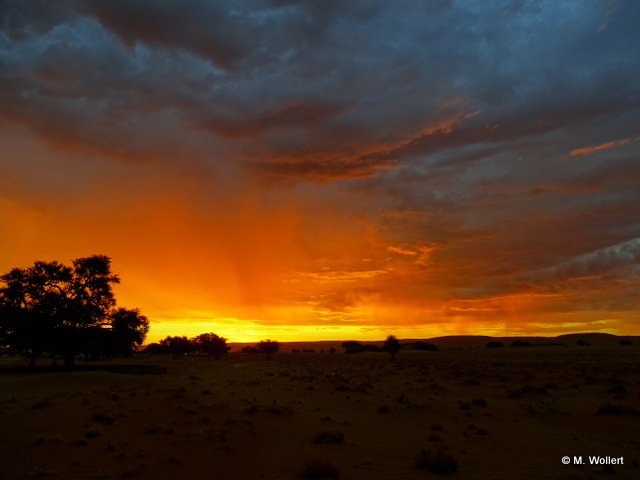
(328, 436)
(618, 389)
(352, 347)
(437, 461)
(104, 418)
(369, 347)
(612, 409)
(425, 346)
(316, 468)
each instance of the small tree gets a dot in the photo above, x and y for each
(211, 344)
(392, 345)
(268, 347)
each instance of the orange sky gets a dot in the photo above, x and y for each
(308, 186)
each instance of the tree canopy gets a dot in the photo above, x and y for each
(210, 343)
(268, 347)
(392, 345)
(59, 309)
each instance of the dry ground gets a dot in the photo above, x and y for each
(499, 413)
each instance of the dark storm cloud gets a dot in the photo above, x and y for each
(202, 28)
(339, 87)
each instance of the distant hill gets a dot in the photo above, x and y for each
(469, 341)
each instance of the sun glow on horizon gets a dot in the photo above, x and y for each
(237, 331)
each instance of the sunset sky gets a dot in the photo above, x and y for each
(315, 170)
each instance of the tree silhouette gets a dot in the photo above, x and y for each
(251, 350)
(59, 309)
(176, 346)
(425, 346)
(268, 347)
(392, 345)
(30, 306)
(352, 346)
(128, 327)
(211, 344)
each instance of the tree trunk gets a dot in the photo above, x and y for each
(32, 359)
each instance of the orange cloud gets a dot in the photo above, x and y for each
(602, 146)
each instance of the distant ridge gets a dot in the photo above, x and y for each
(468, 341)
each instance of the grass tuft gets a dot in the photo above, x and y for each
(328, 436)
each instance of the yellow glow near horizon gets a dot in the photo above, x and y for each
(242, 331)
(249, 332)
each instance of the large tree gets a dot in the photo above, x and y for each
(31, 306)
(177, 346)
(59, 309)
(211, 344)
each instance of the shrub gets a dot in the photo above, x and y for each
(317, 468)
(437, 461)
(352, 346)
(369, 347)
(104, 418)
(93, 432)
(425, 346)
(619, 389)
(612, 409)
(479, 402)
(495, 345)
(328, 436)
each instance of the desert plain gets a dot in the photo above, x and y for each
(464, 413)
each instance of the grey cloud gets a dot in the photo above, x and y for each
(20, 20)
(613, 262)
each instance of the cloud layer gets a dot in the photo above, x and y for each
(444, 165)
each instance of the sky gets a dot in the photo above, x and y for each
(331, 170)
